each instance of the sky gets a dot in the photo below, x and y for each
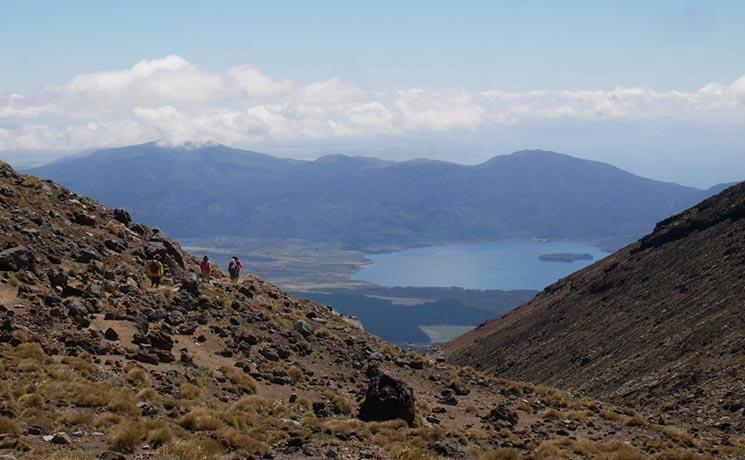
(657, 88)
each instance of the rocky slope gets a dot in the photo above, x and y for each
(95, 364)
(659, 325)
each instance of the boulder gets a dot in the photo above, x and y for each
(111, 334)
(302, 328)
(17, 258)
(388, 398)
(190, 284)
(502, 414)
(175, 317)
(160, 340)
(121, 215)
(57, 277)
(270, 353)
(86, 255)
(82, 218)
(114, 245)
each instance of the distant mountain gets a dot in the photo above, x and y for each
(368, 203)
(659, 324)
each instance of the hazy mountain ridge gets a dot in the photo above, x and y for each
(366, 203)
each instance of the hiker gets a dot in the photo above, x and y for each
(234, 268)
(155, 272)
(206, 268)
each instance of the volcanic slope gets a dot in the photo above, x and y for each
(659, 325)
(95, 364)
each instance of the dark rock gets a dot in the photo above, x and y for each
(459, 389)
(447, 448)
(108, 455)
(388, 398)
(183, 299)
(14, 259)
(175, 317)
(160, 340)
(283, 352)
(321, 409)
(164, 356)
(145, 357)
(190, 284)
(86, 255)
(73, 291)
(302, 328)
(111, 334)
(270, 353)
(61, 439)
(502, 413)
(121, 215)
(57, 277)
(82, 218)
(114, 245)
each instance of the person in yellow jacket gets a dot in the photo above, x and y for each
(154, 271)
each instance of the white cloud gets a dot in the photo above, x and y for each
(439, 112)
(738, 89)
(176, 101)
(168, 80)
(15, 106)
(256, 84)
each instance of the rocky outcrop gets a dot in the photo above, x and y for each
(388, 398)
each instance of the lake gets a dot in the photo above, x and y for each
(506, 265)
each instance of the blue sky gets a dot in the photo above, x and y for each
(384, 45)
(368, 57)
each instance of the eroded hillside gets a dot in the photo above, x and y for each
(658, 325)
(96, 364)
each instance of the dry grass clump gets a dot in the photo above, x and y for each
(200, 419)
(30, 351)
(129, 434)
(49, 454)
(635, 421)
(404, 452)
(502, 454)
(189, 391)
(195, 448)
(139, 376)
(340, 405)
(245, 383)
(585, 448)
(296, 374)
(101, 394)
(243, 442)
(82, 364)
(674, 433)
(8, 426)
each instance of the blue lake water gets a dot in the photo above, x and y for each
(507, 264)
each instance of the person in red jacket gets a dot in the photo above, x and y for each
(206, 268)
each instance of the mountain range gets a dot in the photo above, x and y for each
(659, 324)
(367, 203)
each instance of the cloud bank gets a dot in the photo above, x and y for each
(175, 101)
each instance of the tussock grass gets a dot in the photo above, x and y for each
(8, 426)
(195, 448)
(200, 419)
(245, 383)
(502, 454)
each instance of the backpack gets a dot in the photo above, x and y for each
(233, 267)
